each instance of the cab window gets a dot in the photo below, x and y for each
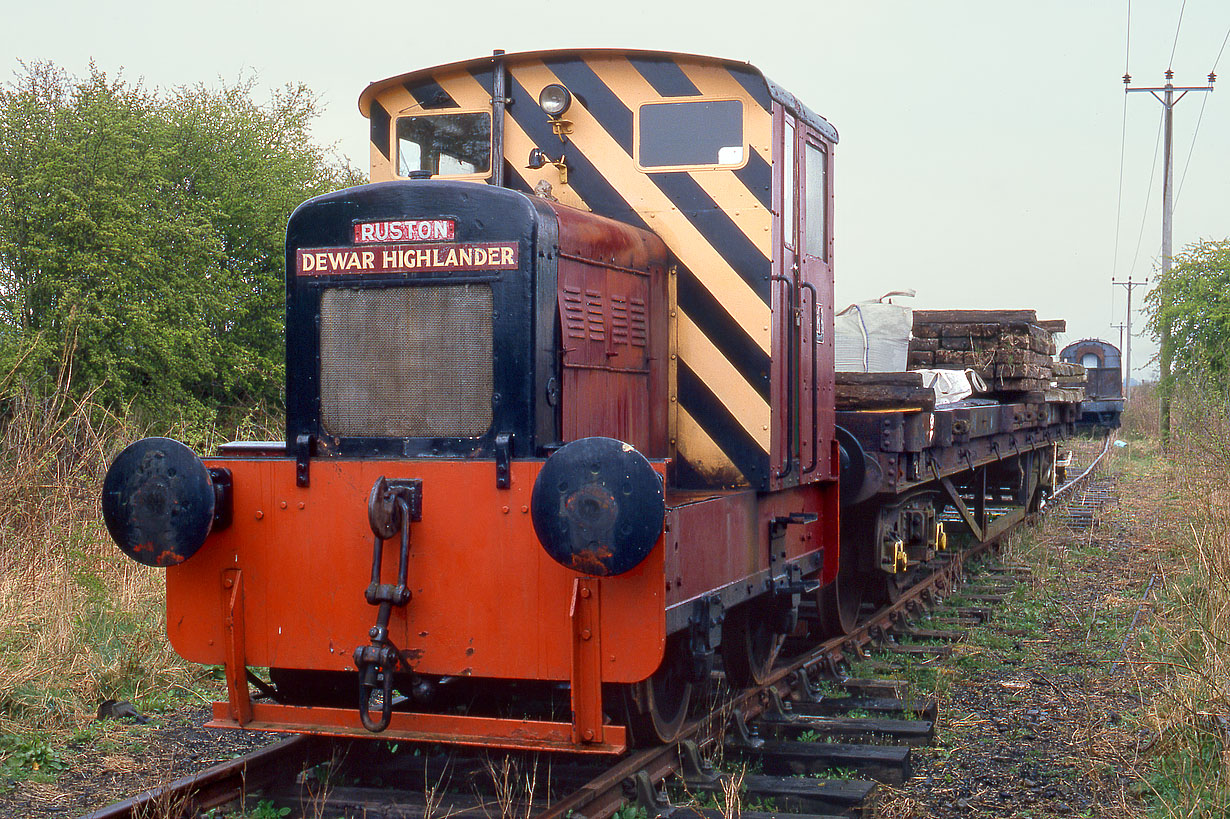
(444, 144)
(816, 207)
(788, 183)
(687, 134)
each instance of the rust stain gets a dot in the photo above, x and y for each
(591, 561)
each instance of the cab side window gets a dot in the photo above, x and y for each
(690, 134)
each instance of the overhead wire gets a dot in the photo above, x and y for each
(1220, 50)
(1199, 118)
(1114, 263)
(1149, 195)
(1190, 150)
(1179, 25)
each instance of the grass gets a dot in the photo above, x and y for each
(1181, 654)
(1023, 697)
(1175, 657)
(79, 622)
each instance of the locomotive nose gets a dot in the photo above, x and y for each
(598, 506)
(160, 502)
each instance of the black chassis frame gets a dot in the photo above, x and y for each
(915, 448)
(942, 450)
(525, 340)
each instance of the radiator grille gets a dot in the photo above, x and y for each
(406, 362)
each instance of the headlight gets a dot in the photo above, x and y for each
(554, 99)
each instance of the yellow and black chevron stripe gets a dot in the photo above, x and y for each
(717, 221)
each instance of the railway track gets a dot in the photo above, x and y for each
(873, 723)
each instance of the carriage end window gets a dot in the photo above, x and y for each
(687, 134)
(445, 144)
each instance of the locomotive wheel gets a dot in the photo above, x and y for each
(656, 708)
(841, 601)
(749, 645)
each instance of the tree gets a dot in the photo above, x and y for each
(1193, 301)
(144, 233)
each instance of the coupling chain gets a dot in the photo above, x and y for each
(391, 508)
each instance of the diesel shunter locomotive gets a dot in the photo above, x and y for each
(560, 421)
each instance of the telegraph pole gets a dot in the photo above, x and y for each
(1127, 374)
(1125, 338)
(1166, 96)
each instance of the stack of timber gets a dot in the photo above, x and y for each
(1011, 349)
(1068, 382)
(883, 391)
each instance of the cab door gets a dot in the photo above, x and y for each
(791, 417)
(803, 307)
(814, 158)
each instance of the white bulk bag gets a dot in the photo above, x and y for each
(952, 386)
(873, 336)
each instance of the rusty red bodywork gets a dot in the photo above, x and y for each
(614, 343)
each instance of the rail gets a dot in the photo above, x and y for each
(1059, 493)
(217, 785)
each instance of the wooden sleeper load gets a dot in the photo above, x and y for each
(883, 391)
(1069, 375)
(1010, 349)
(1068, 382)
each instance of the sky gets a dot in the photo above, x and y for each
(989, 157)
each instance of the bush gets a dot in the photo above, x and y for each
(146, 232)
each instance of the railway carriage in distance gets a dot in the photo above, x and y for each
(561, 432)
(1103, 404)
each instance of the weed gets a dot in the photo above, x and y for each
(318, 782)
(513, 781)
(631, 810)
(433, 792)
(825, 689)
(267, 809)
(732, 794)
(840, 773)
(767, 804)
(30, 758)
(1183, 646)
